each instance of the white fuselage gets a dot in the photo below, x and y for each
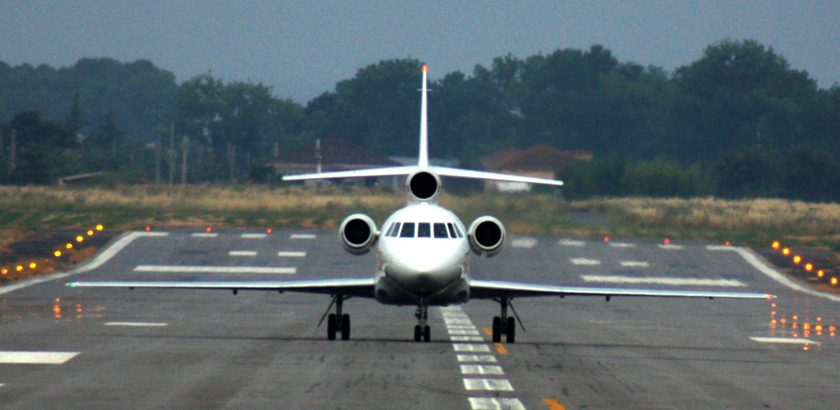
(422, 253)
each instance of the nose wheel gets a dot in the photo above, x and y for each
(337, 322)
(422, 332)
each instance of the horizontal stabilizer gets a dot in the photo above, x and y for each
(492, 176)
(359, 173)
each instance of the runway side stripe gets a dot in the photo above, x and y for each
(253, 236)
(214, 269)
(291, 254)
(36, 357)
(662, 281)
(784, 340)
(204, 235)
(753, 260)
(495, 403)
(137, 324)
(242, 253)
(487, 384)
(303, 236)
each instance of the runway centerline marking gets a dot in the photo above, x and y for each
(671, 247)
(204, 235)
(526, 243)
(571, 242)
(470, 347)
(495, 403)
(137, 324)
(663, 281)
(477, 358)
(585, 261)
(465, 338)
(302, 236)
(487, 384)
(635, 264)
(215, 269)
(622, 245)
(253, 236)
(291, 254)
(242, 253)
(10, 357)
(481, 369)
(785, 340)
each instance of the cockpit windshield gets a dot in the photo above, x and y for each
(438, 230)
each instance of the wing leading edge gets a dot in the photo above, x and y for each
(485, 289)
(362, 287)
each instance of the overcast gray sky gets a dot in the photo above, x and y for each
(303, 48)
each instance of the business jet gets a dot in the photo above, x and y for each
(424, 253)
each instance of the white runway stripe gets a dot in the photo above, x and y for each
(672, 247)
(214, 269)
(622, 245)
(253, 236)
(784, 340)
(571, 242)
(303, 236)
(463, 332)
(205, 235)
(476, 358)
(481, 369)
(488, 384)
(495, 403)
(137, 324)
(466, 338)
(585, 262)
(36, 357)
(634, 264)
(242, 253)
(291, 254)
(467, 347)
(526, 243)
(662, 281)
(720, 248)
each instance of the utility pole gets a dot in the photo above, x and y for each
(185, 148)
(13, 153)
(172, 154)
(2, 149)
(231, 156)
(157, 160)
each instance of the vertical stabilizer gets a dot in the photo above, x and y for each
(423, 161)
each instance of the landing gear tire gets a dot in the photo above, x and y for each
(427, 333)
(331, 326)
(417, 333)
(345, 327)
(510, 331)
(497, 329)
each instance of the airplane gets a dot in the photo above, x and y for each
(424, 253)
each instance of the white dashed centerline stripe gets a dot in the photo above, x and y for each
(205, 235)
(466, 338)
(481, 369)
(585, 262)
(526, 243)
(571, 242)
(291, 254)
(634, 264)
(671, 247)
(137, 324)
(302, 236)
(36, 357)
(253, 236)
(663, 281)
(214, 269)
(468, 347)
(621, 245)
(242, 253)
(784, 340)
(495, 403)
(464, 332)
(476, 358)
(487, 384)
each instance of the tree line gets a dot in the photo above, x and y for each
(739, 121)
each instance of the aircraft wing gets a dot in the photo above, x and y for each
(487, 289)
(361, 287)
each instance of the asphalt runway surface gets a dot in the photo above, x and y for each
(111, 348)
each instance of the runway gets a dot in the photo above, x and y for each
(100, 348)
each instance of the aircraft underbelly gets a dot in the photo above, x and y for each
(391, 292)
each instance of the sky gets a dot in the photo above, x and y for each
(303, 48)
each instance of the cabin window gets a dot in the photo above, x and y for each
(407, 230)
(440, 230)
(395, 228)
(424, 230)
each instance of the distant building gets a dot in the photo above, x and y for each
(539, 161)
(331, 155)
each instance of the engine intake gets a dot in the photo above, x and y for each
(423, 186)
(358, 234)
(486, 235)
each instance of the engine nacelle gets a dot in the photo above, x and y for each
(423, 186)
(486, 235)
(358, 233)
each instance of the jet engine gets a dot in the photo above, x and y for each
(486, 235)
(358, 233)
(423, 186)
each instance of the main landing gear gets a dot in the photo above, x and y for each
(422, 330)
(504, 325)
(337, 322)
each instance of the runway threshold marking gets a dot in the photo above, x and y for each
(253, 236)
(302, 236)
(10, 357)
(481, 369)
(291, 254)
(495, 403)
(242, 253)
(553, 404)
(137, 324)
(663, 281)
(215, 269)
(478, 358)
(785, 340)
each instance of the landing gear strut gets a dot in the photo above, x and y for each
(504, 325)
(337, 322)
(422, 330)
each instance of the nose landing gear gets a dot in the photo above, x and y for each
(422, 330)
